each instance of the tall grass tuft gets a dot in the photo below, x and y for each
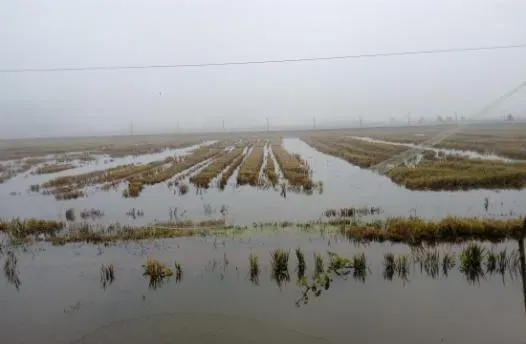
(301, 263)
(157, 272)
(280, 266)
(11, 270)
(471, 259)
(107, 275)
(318, 264)
(359, 264)
(491, 262)
(254, 268)
(70, 214)
(402, 266)
(339, 265)
(178, 272)
(389, 265)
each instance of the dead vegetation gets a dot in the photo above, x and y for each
(54, 168)
(249, 170)
(203, 178)
(295, 169)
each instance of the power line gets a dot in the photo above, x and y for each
(290, 60)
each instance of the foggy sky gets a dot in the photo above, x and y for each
(65, 33)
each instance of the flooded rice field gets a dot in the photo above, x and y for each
(62, 298)
(343, 185)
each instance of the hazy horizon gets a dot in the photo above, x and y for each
(59, 33)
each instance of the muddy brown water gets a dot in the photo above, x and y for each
(344, 185)
(61, 299)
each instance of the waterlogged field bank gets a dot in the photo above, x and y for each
(302, 282)
(431, 170)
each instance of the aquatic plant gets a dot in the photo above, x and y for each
(359, 264)
(254, 268)
(448, 263)
(471, 258)
(230, 171)
(70, 214)
(91, 213)
(270, 169)
(156, 271)
(107, 275)
(389, 265)
(54, 168)
(402, 266)
(280, 266)
(318, 264)
(178, 272)
(11, 270)
(491, 261)
(301, 263)
(339, 265)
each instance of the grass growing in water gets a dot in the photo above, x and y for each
(107, 275)
(157, 272)
(301, 263)
(178, 272)
(339, 265)
(249, 170)
(471, 259)
(11, 270)
(318, 264)
(280, 266)
(448, 263)
(254, 268)
(359, 264)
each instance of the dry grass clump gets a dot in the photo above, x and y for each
(294, 169)
(203, 178)
(249, 170)
(450, 229)
(157, 272)
(21, 229)
(461, 174)
(134, 190)
(54, 168)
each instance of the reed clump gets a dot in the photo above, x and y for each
(471, 259)
(20, 229)
(280, 266)
(230, 171)
(156, 271)
(254, 268)
(107, 275)
(301, 262)
(270, 170)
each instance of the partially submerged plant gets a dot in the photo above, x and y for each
(70, 214)
(178, 272)
(254, 268)
(448, 263)
(156, 271)
(389, 265)
(491, 262)
(280, 265)
(11, 270)
(359, 264)
(301, 263)
(339, 265)
(318, 264)
(107, 275)
(471, 259)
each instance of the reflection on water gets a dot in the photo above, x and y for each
(344, 186)
(418, 302)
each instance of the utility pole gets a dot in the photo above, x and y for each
(268, 124)
(313, 122)
(361, 122)
(409, 119)
(223, 125)
(131, 128)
